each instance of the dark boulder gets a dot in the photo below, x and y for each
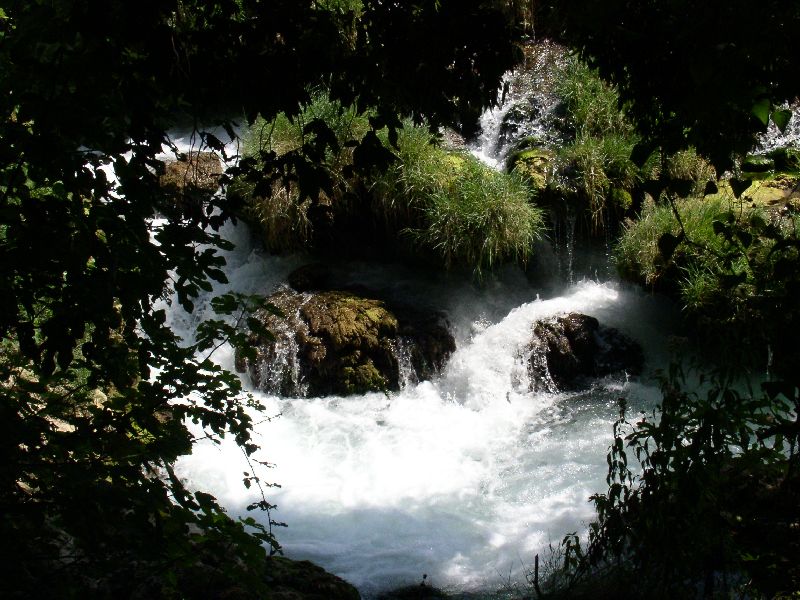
(568, 349)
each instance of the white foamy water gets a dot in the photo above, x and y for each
(464, 478)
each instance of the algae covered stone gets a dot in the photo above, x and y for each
(339, 342)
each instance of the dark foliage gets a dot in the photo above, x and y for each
(707, 74)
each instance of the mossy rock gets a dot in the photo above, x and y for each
(621, 198)
(339, 342)
(535, 164)
(191, 180)
(569, 349)
(780, 188)
(757, 163)
(198, 172)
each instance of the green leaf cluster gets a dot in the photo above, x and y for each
(710, 505)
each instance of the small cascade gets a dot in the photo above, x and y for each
(539, 377)
(525, 107)
(402, 353)
(774, 138)
(278, 371)
(563, 223)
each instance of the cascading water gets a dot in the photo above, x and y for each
(463, 478)
(525, 106)
(774, 138)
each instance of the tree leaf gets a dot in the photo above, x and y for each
(781, 118)
(668, 243)
(761, 110)
(740, 185)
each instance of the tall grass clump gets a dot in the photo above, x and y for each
(483, 219)
(430, 202)
(453, 205)
(594, 160)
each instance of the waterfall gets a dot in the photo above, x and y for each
(463, 477)
(525, 107)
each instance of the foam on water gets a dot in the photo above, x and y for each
(464, 478)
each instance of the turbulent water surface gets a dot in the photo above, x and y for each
(463, 478)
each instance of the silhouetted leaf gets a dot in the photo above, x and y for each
(761, 110)
(668, 243)
(739, 186)
(682, 187)
(781, 118)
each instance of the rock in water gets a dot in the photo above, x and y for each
(568, 349)
(339, 342)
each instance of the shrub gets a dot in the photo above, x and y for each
(440, 202)
(637, 252)
(687, 165)
(457, 207)
(735, 268)
(596, 158)
(710, 507)
(276, 207)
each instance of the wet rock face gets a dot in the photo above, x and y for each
(567, 350)
(338, 342)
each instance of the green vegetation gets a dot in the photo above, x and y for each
(279, 208)
(590, 169)
(638, 254)
(733, 264)
(596, 159)
(709, 76)
(710, 507)
(458, 208)
(445, 204)
(96, 390)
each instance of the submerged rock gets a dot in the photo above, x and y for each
(568, 349)
(339, 342)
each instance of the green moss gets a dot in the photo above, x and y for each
(362, 378)
(621, 198)
(534, 164)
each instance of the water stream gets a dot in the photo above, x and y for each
(463, 478)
